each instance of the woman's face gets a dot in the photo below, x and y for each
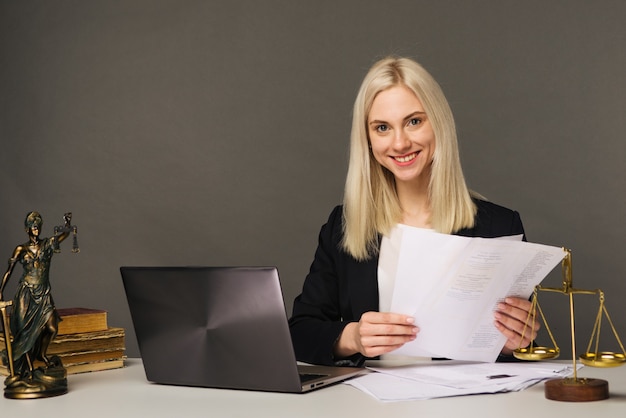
(400, 134)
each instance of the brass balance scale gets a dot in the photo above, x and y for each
(574, 389)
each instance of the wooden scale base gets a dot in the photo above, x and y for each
(577, 390)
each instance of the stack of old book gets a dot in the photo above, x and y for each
(85, 342)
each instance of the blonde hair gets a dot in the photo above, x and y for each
(371, 205)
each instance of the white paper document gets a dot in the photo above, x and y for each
(450, 378)
(452, 284)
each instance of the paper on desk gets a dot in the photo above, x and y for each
(451, 285)
(445, 379)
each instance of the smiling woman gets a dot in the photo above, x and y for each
(404, 169)
(373, 203)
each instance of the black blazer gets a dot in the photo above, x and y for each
(339, 289)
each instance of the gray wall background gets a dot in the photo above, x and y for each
(216, 132)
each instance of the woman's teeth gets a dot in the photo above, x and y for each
(406, 158)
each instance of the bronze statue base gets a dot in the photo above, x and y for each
(41, 383)
(577, 390)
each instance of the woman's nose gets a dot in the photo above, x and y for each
(400, 139)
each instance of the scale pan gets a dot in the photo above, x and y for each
(536, 353)
(603, 359)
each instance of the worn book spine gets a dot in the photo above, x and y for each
(94, 366)
(112, 338)
(78, 320)
(90, 356)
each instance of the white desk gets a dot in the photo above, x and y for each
(127, 393)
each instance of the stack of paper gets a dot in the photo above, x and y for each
(451, 378)
(451, 286)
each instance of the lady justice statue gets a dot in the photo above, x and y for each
(34, 319)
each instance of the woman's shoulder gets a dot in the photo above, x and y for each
(493, 220)
(486, 207)
(336, 213)
(334, 223)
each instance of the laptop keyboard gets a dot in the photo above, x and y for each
(305, 377)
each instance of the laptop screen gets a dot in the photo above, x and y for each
(212, 326)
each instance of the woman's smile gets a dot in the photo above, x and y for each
(406, 158)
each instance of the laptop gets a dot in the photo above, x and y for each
(218, 327)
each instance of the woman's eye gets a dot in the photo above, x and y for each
(382, 128)
(415, 121)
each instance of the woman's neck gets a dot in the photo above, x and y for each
(415, 204)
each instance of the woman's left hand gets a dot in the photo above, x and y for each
(510, 319)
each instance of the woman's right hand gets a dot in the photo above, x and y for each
(376, 333)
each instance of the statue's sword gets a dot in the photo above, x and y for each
(7, 332)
